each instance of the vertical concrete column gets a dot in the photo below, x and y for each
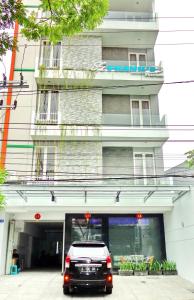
(4, 223)
(29, 252)
(63, 250)
(19, 227)
(15, 228)
(10, 245)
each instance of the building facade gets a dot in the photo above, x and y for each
(87, 137)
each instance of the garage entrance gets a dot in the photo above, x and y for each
(40, 246)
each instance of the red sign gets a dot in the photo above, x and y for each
(139, 216)
(37, 216)
(87, 216)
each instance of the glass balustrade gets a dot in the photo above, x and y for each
(133, 120)
(130, 16)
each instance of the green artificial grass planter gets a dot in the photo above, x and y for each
(169, 268)
(140, 269)
(129, 268)
(126, 268)
(155, 268)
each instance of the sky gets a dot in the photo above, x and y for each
(177, 100)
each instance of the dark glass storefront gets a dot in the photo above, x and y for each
(124, 235)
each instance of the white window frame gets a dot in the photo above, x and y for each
(145, 180)
(140, 112)
(50, 64)
(45, 14)
(137, 57)
(48, 118)
(45, 153)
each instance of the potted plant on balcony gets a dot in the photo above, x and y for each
(140, 268)
(126, 268)
(155, 268)
(169, 268)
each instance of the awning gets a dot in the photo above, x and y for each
(93, 197)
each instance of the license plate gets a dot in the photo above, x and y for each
(87, 269)
(88, 265)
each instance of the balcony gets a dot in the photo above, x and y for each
(131, 16)
(128, 78)
(128, 28)
(114, 128)
(135, 6)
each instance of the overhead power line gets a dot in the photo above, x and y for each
(102, 127)
(112, 140)
(37, 92)
(81, 124)
(119, 169)
(121, 45)
(86, 154)
(109, 178)
(101, 31)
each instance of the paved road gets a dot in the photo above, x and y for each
(48, 286)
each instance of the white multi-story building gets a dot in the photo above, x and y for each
(87, 136)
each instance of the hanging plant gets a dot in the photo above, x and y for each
(3, 176)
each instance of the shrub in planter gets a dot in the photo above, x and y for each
(169, 268)
(140, 268)
(126, 268)
(155, 268)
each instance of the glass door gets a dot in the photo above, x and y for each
(137, 60)
(83, 230)
(130, 238)
(144, 166)
(140, 110)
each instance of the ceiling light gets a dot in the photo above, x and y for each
(117, 199)
(53, 199)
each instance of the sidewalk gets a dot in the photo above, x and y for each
(48, 286)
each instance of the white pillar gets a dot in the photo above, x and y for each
(15, 228)
(4, 223)
(63, 250)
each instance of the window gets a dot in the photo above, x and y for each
(114, 54)
(144, 166)
(44, 162)
(45, 14)
(140, 113)
(47, 110)
(51, 55)
(137, 59)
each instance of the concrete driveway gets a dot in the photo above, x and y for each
(48, 286)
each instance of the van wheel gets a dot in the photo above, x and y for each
(108, 290)
(66, 290)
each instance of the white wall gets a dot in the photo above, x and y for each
(3, 240)
(179, 235)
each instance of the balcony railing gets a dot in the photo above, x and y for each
(150, 121)
(47, 63)
(39, 175)
(137, 67)
(134, 67)
(46, 118)
(130, 16)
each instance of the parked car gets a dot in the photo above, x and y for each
(88, 265)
